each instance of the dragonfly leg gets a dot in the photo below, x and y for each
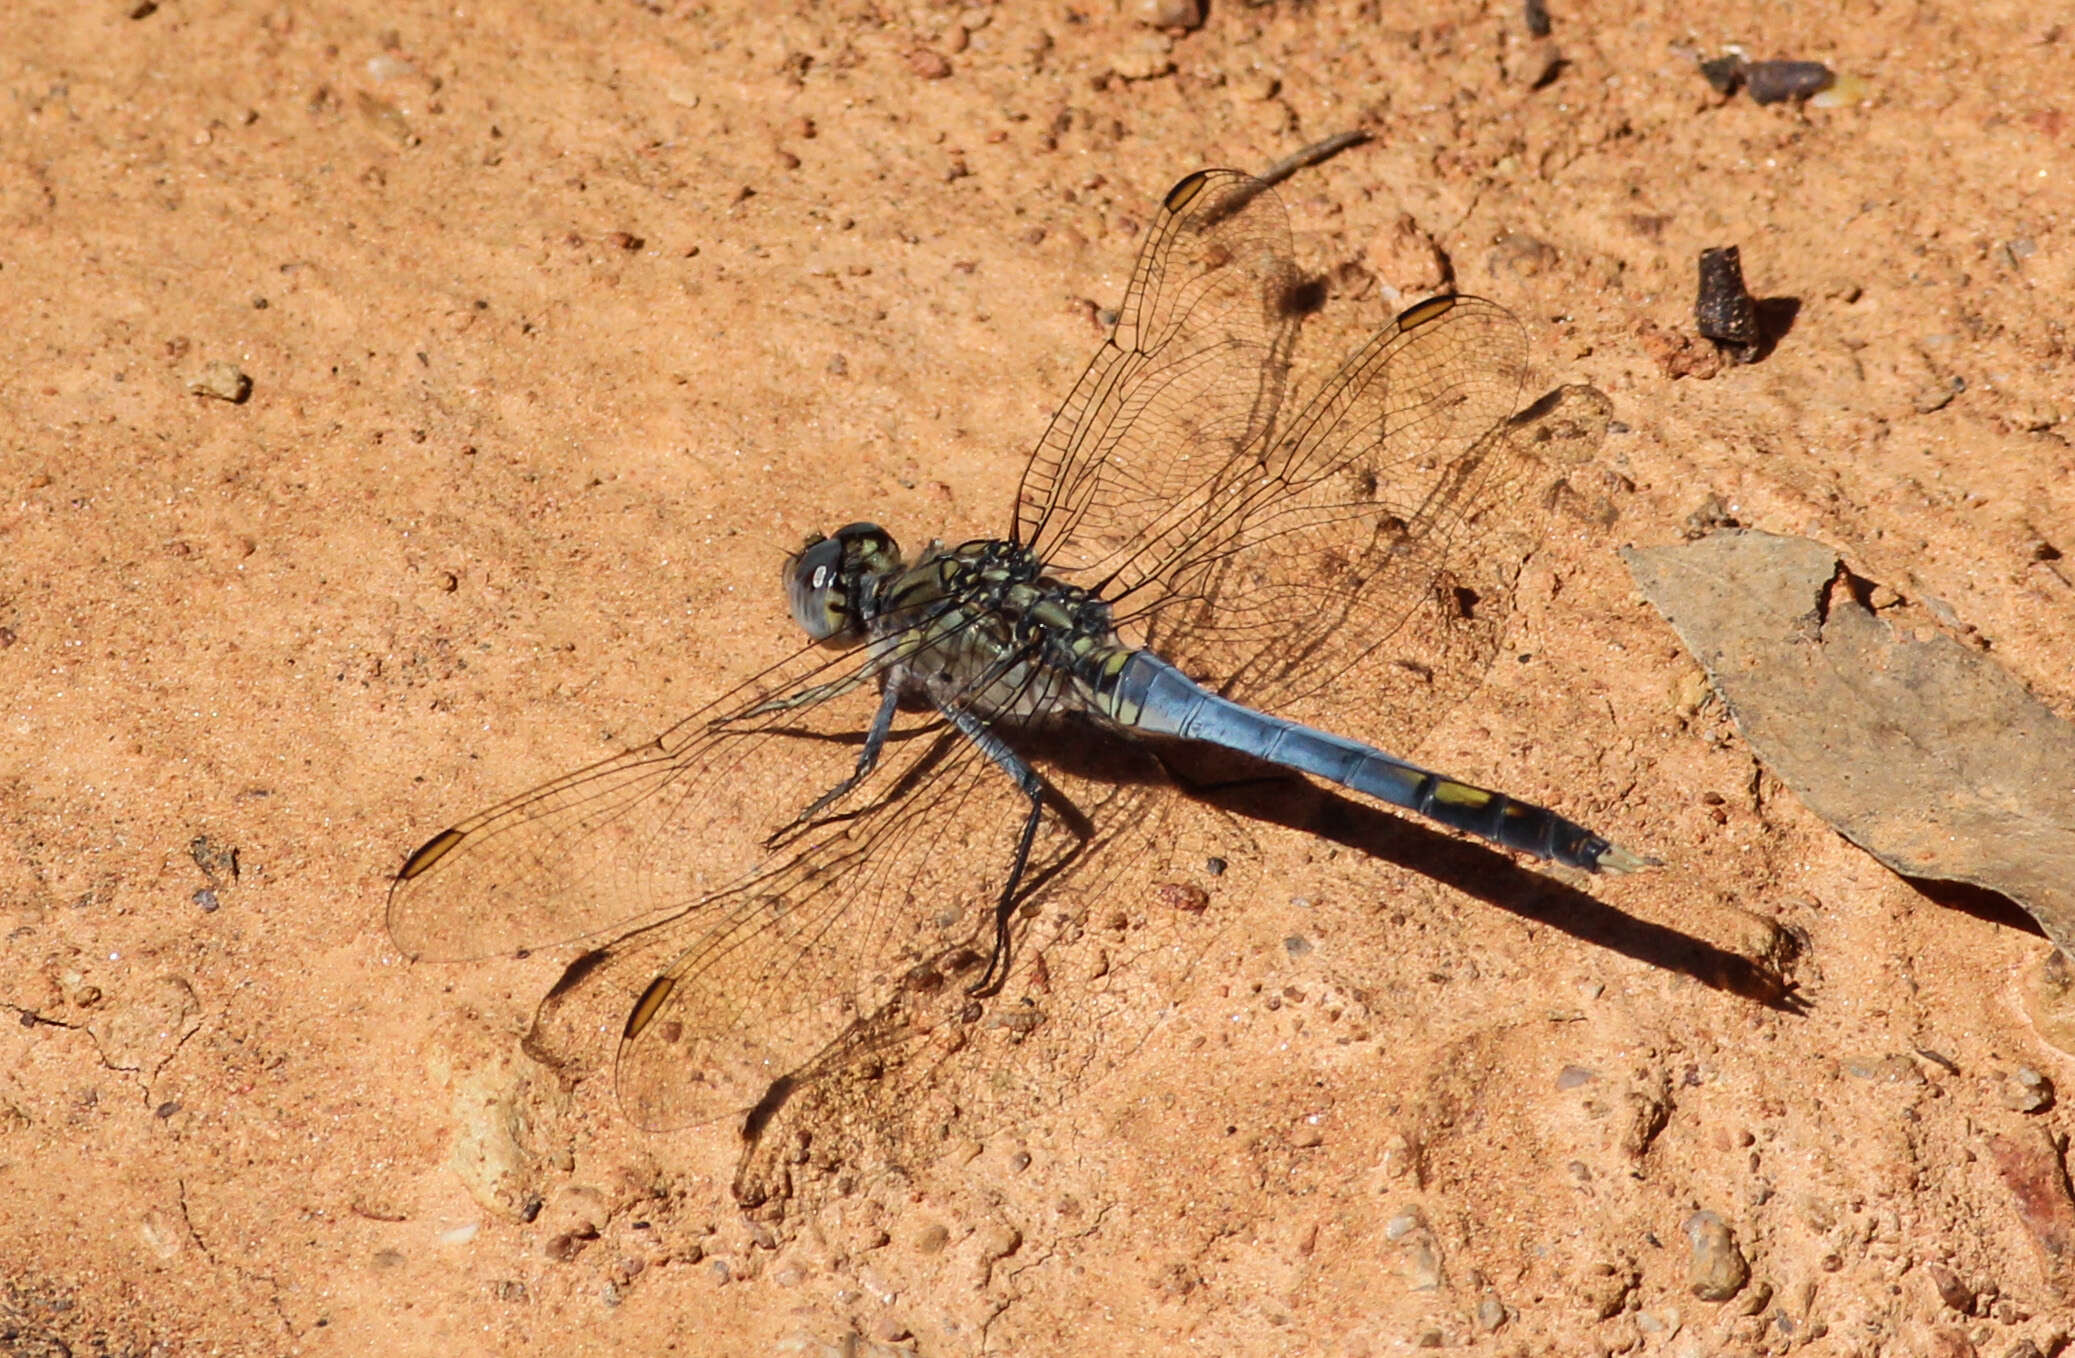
(867, 760)
(1033, 787)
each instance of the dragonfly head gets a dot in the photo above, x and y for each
(825, 581)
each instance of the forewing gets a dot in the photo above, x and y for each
(1192, 374)
(642, 834)
(1358, 574)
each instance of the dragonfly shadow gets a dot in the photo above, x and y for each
(1266, 795)
(866, 1098)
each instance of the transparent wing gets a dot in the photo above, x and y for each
(1356, 571)
(1191, 377)
(638, 835)
(740, 951)
(869, 931)
(1099, 959)
(711, 1006)
(1368, 545)
(738, 956)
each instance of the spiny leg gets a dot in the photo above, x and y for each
(867, 760)
(1033, 787)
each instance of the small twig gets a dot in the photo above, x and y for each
(1311, 155)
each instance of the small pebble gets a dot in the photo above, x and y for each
(1774, 82)
(1187, 14)
(384, 117)
(1148, 57)
(1523, 254)
(386, 66)
(1422, 1265)
(576, 1210)
(1491, 1313)
(1252, 87)
(1534, 63)
(1718, 1269)
(997, 1241)
(1950, 1288)
(1754, 1300)
(1677, 353)
(1937, 396)
(2027, 1091)
(1420, 1254)
(221, 381)
(1690, 692)
(1724, 310)
(1604, 1288)
(1186, 897)
(1407, 258)
(928, 64)
(159, 1235)
(1893, 1068)
(1570, 1077)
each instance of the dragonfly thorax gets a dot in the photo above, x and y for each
(1005, 582)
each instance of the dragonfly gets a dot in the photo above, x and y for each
(1192, 562)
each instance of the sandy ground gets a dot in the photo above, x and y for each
(563, 323)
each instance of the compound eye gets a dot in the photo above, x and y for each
(816, 593)
(868, 547)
